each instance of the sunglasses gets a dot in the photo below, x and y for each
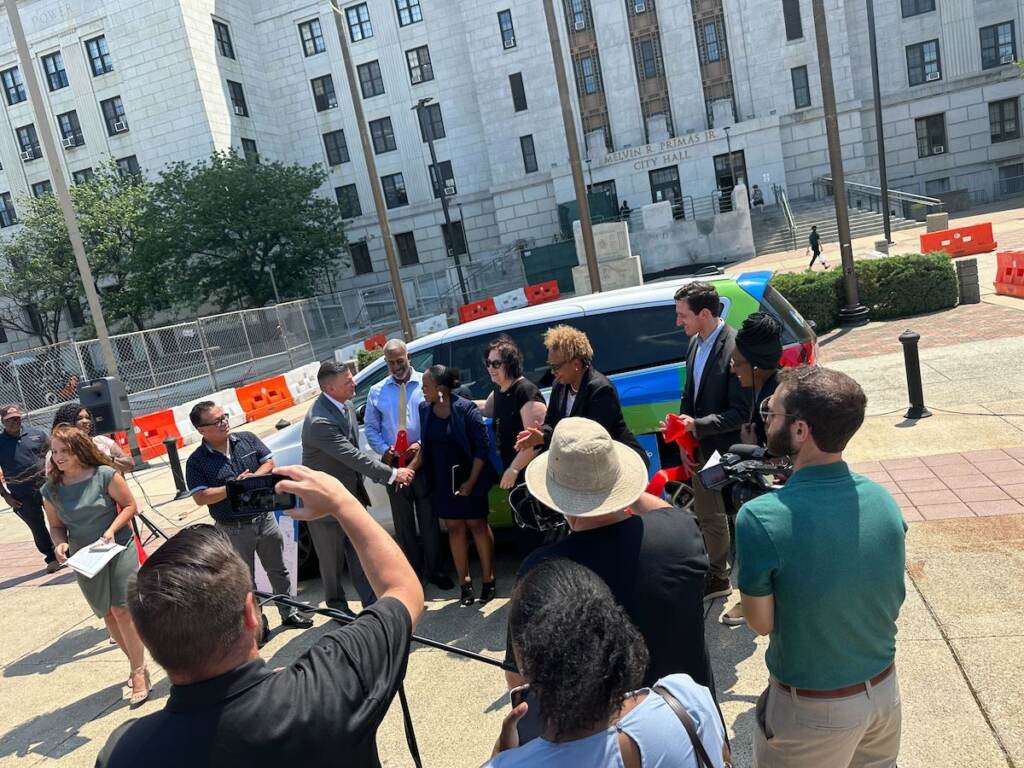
(495, 364)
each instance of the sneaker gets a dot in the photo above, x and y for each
(715, 587)
(53, 566)
(734, 616)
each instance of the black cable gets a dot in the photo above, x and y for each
(410, 734)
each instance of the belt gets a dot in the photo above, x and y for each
(239, 522)
(839, 693)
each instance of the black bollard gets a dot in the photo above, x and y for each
(171, 444)
(912, 363)
(282, 424)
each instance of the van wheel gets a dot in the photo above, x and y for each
(309, 563)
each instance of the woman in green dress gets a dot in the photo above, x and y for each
(86, 499)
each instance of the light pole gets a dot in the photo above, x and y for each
(371, 171)
(883, 176)
(854, 313)
(60, 189)
(438, 183)
(462, 226)
(575, 166)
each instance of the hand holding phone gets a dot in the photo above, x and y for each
(255, 495)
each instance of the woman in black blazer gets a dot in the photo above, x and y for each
(579, 390)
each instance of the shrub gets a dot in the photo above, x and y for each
(813, 294)
(365, 357)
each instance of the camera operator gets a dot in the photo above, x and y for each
(820, 570)
(194, 608)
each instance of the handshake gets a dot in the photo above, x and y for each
(404, 476)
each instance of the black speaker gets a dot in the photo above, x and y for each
(107, 401)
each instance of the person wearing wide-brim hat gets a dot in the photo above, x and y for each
(649, 553)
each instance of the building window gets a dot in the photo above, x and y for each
(529, 154)
(128, 166)
(1011, 179)
(56, 75)
(8, 216)
(1004, 120)
(636, 7)
(710, 39)
(791, 16)
(348, 201)
(447, 185)
(360, 254)
(14, 88)
(70, 129)
(113, 115)
(323, 93)
(588, 74)
(249, 150)
(99, 56)
(418, 60)
(915, 7)
(238, 98)
(576, 12)
(41, 188)
(394, 190)
(407, 255)
(801, 88)
(454, 241)
(508, 32)
(358, 18)
(337, 150)
(83, 176)
(312, 37)
(923, 63)
(998, 45)
(383, 136)
(408, 12)
(515, 81)
(934, 187)
(223, 35)
(28, 142)
(647, 56)
(931, 135)
(431, 124)
(371, 82)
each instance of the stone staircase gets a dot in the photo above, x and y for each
(771, 235)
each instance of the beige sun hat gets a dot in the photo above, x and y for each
(585, 473)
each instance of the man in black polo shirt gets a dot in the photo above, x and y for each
(224, 456)
(650, 554)
(22, 469)
(194, 610)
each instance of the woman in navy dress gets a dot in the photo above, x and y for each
(455, 459)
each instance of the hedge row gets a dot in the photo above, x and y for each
(891, 287)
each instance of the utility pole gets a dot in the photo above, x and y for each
(438, 183)
(853, 313)
(569, 125)
(883, 175)
(371, 170)
(60, 189)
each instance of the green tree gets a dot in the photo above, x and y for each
(226, 222)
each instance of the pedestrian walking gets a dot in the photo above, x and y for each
(87, 501)
(455, 461)
(22, 473)
(814, 247)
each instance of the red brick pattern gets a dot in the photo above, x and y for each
(972, 484)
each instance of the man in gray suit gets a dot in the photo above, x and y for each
(330, 443)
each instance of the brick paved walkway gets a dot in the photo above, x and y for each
(973, 484)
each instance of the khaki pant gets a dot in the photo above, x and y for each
(709, 508)
(861, 731)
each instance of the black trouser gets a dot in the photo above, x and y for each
(410, 508)
(31, 511)
(815, 253)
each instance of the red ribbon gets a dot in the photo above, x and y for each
(675, 432)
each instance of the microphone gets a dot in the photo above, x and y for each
(749, 451)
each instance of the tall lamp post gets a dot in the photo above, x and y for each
(853, 313)
(462, 226)
(438, 184)
(883, 176)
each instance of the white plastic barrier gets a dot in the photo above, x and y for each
(302, 383)
(226, 399)
(345, 354)
(510, 300)
(432, 325)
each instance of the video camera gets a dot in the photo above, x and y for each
(750, 471)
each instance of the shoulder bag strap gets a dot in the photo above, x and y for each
(703, 761)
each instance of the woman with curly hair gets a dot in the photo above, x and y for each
(584, 661)
(77, 415)
(579, 390)
(87, 500)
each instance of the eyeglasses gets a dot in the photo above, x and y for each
(556, 366)
(766, 411)
(493, 364)
(221, 422)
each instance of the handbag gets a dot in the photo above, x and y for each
(703, 761)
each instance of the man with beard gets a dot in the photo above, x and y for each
(820, 570)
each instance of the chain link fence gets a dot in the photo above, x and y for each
(167, 366)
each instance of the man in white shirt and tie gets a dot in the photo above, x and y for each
(392, 424)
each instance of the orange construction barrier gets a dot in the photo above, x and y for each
(264, 397)
(541, 292)
(961, 241)
(477, 309)
(1010, 273)
(152, 429)
(375, 342)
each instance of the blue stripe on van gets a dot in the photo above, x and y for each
(654, 385)
(754, 283)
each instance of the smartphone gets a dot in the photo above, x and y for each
(530, 726)
(518, 695)
(255, 495)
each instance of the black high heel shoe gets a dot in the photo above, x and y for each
(467, 594)
(487, 591)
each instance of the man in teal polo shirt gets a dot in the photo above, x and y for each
(820, 570)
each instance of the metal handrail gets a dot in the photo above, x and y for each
(894, 194)
(782, 200)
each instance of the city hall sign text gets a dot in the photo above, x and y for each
(659, 153)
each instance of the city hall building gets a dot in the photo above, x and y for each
(661, 89)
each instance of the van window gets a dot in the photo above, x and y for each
(630, 339)
(794, 327)
(468, 356)
(421, 360)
